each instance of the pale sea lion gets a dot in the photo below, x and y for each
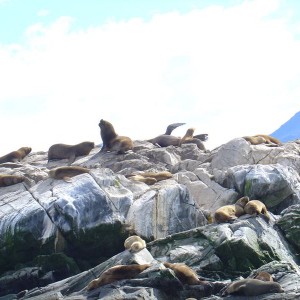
(185, 274)
(61, 151)
(115, 273)
(134, 243)
(264, 276)
(255, 140)
(269, 139)
(256, 207)
(15, 156)
(252, 287)
(6, 180)
(229, 213)
(67, 172)
(112, 141)
(162, 175)
(140, 178)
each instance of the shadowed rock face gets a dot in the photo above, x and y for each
(51, 229)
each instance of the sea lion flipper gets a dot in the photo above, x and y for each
(67, 179)
(202, 137)
(72, 158)
(171, 127)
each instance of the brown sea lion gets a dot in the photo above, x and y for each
(255, 140)
(115, 273)
(134, 243)
(171, 127)
(61, 151)
(264, 276)
(140, 178)
(269, 139)
(6, 180)
(112, 141)
(256, 207)
(188, 138)
(252, 287)
(67, 172)
(185, 274)
(158, 176)
(229, 213)
(15, 156)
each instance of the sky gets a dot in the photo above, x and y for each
(227, 68)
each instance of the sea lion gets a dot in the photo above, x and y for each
(6, 180)
(134, 243)
(252, 287)
(61, 151)
(188, 138)
(256, 207)
(115, 273)
(140, 178)
(229, 213)
(255, 140)
(15, 156)
(264, 276)
(185, 274)
(67, 172)
(171, 127)
(112, 141)
(269, 139)
(162, 175)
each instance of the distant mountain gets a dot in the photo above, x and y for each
(290, 130)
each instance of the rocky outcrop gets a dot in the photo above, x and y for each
(52, 229)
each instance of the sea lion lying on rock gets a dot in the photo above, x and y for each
(116, 273)
(67, 172)
(229, 213)
(61, 151)
(150, 177)
(262, 139)
(15, 156)
(256, 207)
(264, 276)
(112, 141)
(134, 243)
(6, 180)
(185, 274)
(252, 287)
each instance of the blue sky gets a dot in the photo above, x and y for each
(227, 68)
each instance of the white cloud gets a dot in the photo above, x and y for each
(228, 72)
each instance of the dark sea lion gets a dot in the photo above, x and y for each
(6, 180)
(61, 151)
(264, 276)
(185, 274)
(256, 207)
(115, 273)
(112, 141)
(171, 127)
(134, 243)
(67, 172)
(15, 156)
(229, 213)
(252, 287)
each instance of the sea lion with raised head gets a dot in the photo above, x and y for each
(15, 156)
(112, 141)
(116, 273)
(6, 180)
(256, 207)
(67, 172)
(229, 213)
(70, 152)
(134, 243)
(252, 287)
(264, 276)
(185, 274)
(189, 138)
